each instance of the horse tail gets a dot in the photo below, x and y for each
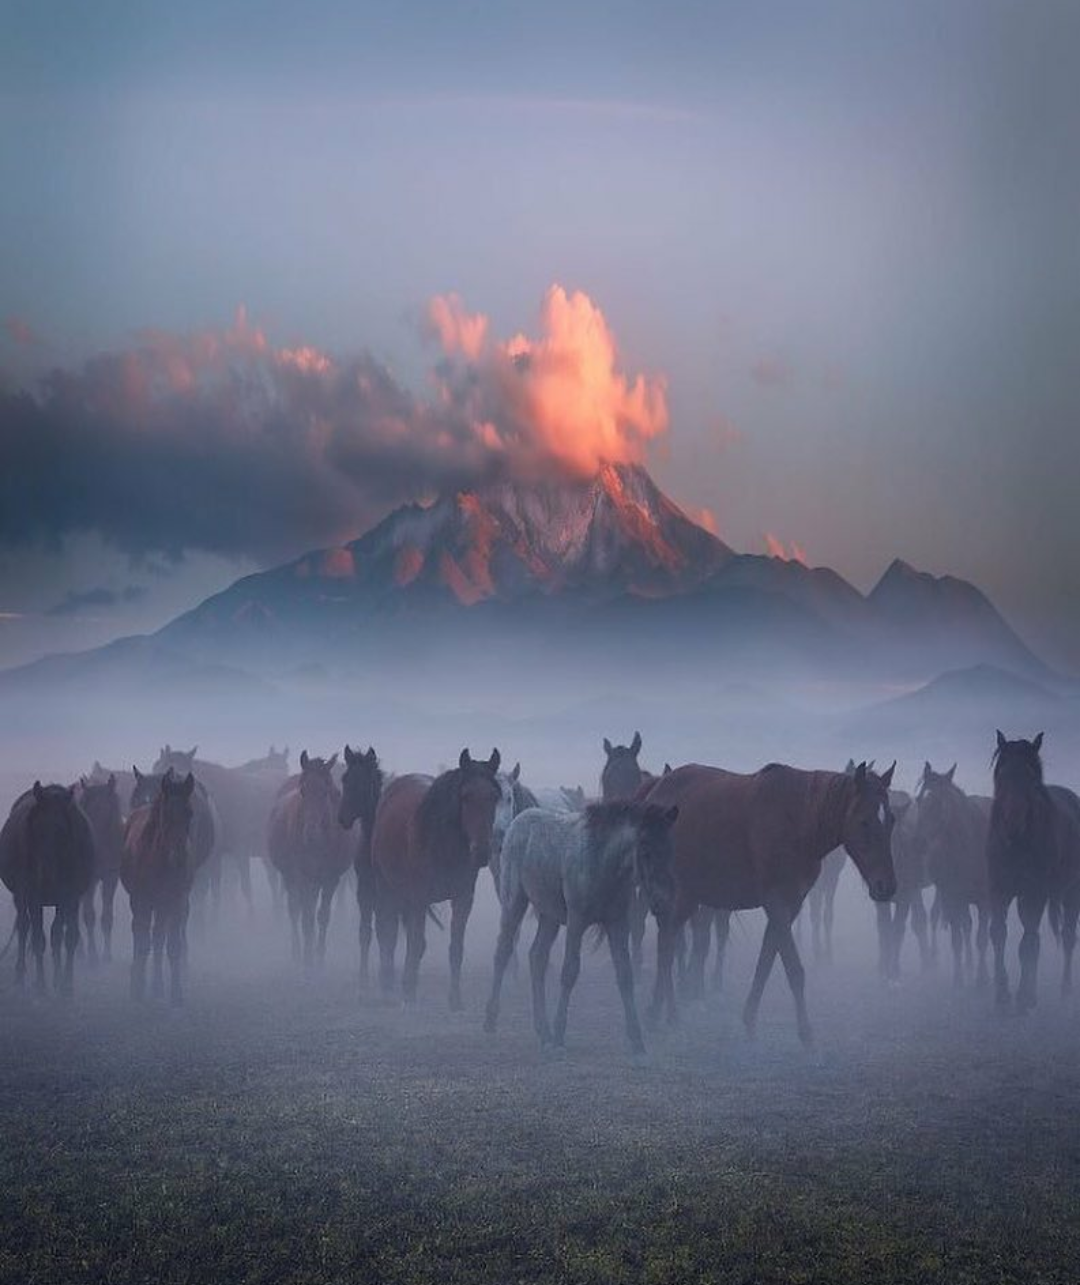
(1053, 917)
(435, 918)
(11, 938)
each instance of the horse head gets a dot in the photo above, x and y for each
(361, 786)
(622, 773)
(867, 826)
(479, 796)
(1018, 785)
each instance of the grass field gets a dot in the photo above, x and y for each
(278, 1129)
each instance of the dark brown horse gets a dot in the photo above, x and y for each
(1033, 855)
(47, 859)
(361, 789)
(100, 802)
(158, 870)
(821, 900)
(310, 850)
(431, 840)
(950, 836)
(759, 840)
(622, 775)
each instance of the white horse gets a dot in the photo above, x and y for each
(581, 869)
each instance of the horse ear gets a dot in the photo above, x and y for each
(1001, 742)
(464, 759)
(515, 772)
(671, 815)
(333, 762)
(607, 747)
(372, 757)
(494, 761)
(38, 792)
(192, 752)
(138, 774)
(860, 774)
(635, 745)
(667, 769)
(349, 756)
(303, 760)
(951, 773)
(886, 777)
(82, 781)
(1037, 742)
(927, 770)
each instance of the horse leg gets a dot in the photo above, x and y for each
(513, 912)
(386, 930)
(415, 945)
(1031, 912)
(618, 935)
(175, 947)
(955, 920)
(816, 939)
(664, 983)
(326, 901)
(539, 954)
(22, 927)
(108, 896)
(982, 976)
(160, 932)
(460, 909)
(308, 896)
(244, 871)
(999, 913)
(796, 975)
(575, 931)
(722, 924)
(966, 924)
(292, 901)
(140, 932)
(71, 945)
(89, 915)
(639, 910)
(828, 913)
(883, 910)
(769, 947)
(900, 916)
(700, 932)
(56, 943)
(1069, 914)
(37, 940)
(365, 903)
(918, 927)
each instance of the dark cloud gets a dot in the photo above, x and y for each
(219, 441)
(76, 601)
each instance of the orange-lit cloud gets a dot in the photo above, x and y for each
(793, 553)
(20, 332)
(704, 517)
(558, 399)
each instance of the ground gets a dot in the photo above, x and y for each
(281, 1128)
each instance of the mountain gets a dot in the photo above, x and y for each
(581, 576)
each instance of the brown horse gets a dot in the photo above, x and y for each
(431, 840)
(47, 859)
(622, 775)
(100, 803)
(758, 840)
(309, 848)
(361, 789)
(1032, 854)
(158, 870)
(911, 878)
(950, 835)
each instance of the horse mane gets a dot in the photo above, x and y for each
(438, 810)
(523, 798)
(600, 817)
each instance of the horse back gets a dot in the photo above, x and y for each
(52, 885)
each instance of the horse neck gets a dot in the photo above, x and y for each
(825, 806)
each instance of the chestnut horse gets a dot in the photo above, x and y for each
(308, 847)
(1032, 854)
(47, 859)
(743, 841)
(100, 803)
(432, 837)
(158, 870)
(361, 789)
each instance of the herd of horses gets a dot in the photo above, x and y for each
(689, 846)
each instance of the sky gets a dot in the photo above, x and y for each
(271, 269)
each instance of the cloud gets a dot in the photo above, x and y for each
(559, 399)
(75, 601)
(704, 517)
(793, 553)
(221, 441)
